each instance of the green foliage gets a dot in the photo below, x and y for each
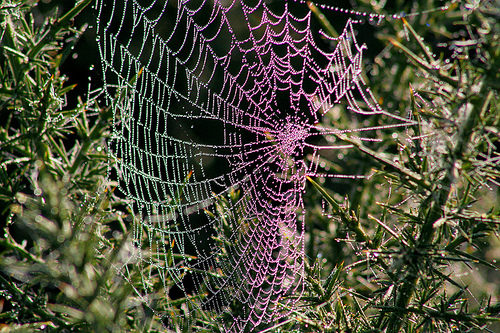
(410, 247)
(63, 238)
(417, 236)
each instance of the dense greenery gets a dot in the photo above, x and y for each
(412, 248)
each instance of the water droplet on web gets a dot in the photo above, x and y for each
(245, 140)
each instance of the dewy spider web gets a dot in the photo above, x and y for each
(209, 98)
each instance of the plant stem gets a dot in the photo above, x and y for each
(62, 22)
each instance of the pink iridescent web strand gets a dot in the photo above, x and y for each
(192, 65)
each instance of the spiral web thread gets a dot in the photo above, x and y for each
(209, 99)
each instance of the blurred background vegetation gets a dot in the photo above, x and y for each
(411, 248)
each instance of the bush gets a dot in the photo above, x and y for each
(59, 257)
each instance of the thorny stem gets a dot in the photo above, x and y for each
(62, 22)
(405, 172)
(350, 220)
(440, 197)
(90, 138)
(352, 223)
(323, 20)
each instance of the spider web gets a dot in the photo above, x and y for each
(216, 105)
